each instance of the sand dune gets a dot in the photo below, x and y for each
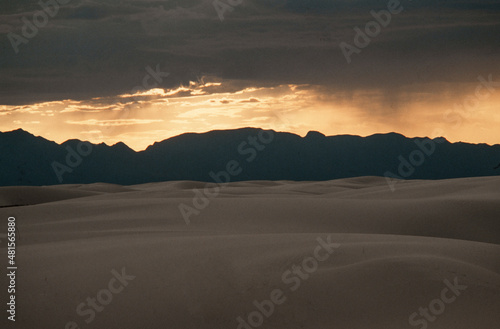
(31, 195)
(394, 253)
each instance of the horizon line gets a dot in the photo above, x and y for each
(242, 128)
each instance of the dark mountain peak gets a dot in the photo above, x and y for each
(71, 142)
(22, 136)
(231, 132)
(18, 132)
(390, 135)
(440, 140)
(121, 146)
(314, 135)
(210, 136)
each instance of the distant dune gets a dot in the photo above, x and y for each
(373, 257)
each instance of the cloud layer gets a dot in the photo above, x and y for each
(97, 49)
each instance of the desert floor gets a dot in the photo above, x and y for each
(346, 253)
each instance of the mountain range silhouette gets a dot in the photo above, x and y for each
(240, 154)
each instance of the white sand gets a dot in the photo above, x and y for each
(396, 250)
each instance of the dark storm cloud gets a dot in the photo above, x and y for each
(102, 48)
(92, 12)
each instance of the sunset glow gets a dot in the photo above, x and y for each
(140, 119)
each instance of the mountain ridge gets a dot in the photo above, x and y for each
(255, 154)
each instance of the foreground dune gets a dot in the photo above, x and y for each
(347, 253)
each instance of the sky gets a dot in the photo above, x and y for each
(141, 71)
